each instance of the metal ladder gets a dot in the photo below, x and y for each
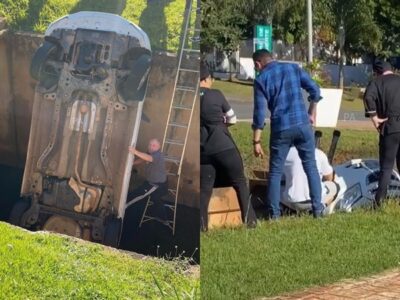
(181, 108)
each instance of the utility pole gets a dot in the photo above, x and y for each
(342, 39)
(310, 32)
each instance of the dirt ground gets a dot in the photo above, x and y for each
(367, 125)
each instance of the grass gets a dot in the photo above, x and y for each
(295, 253)
(242, 91)
(46, 266)
(299, 252)
(238, 91)
(352, 144)
(161, 20)
(351, 100)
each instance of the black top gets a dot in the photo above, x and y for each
(382, 98)
(214, 134)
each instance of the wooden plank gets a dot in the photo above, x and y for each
(224, 209)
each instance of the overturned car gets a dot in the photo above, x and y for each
(92, 71)
(358, 182)
(354, 185)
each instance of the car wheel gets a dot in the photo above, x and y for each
(18, 211)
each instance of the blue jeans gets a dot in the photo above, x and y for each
(302, 137)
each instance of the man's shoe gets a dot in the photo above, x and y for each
(273, 218)
(252, 225)
(319, 214)
(376, 205)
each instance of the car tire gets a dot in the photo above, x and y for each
(134, 86)
(18, 211)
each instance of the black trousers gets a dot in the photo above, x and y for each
(389, 152)
(155, 191)
(228, 163)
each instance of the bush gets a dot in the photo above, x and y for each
(15, 12)
(318, 74)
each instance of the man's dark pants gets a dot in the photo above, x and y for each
(228, 163)
(389, 151)
(155, 191)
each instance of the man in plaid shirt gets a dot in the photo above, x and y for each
(279, 86)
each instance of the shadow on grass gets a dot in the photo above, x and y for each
(114, 7)
(154, 23)
(236, 81)
(32, 15)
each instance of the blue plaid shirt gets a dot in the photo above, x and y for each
(279, 86)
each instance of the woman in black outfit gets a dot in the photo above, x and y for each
(218, 152)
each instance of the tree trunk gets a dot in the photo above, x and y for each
(230, 71)
(341, 75)
(230, 67)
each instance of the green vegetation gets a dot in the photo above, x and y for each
(161, 20)
(45, 266)
(237, 91)
(366, 27)
(352, 99)
(223, 23)
(294, 253)
(353, 143)
(243, 91)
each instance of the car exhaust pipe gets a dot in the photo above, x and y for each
(332, 148)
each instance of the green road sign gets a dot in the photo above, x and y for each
(263, 37)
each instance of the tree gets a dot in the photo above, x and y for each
(223, 26)
(286, 17)
(387, 15)
(262, 11)
(352, 28)
(356, 29)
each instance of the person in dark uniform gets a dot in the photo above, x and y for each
(218, 152)
(156, 178)
(382, 105)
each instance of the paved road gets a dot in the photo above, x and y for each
(244, 111)
(381, 286)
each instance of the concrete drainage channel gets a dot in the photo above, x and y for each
(17, 91)
(151, 239)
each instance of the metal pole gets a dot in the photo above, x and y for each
(310, 34)
(341, 53)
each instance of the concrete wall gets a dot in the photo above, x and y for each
(15, 56)
(358, 75)
(17, 93)
(7, 120)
